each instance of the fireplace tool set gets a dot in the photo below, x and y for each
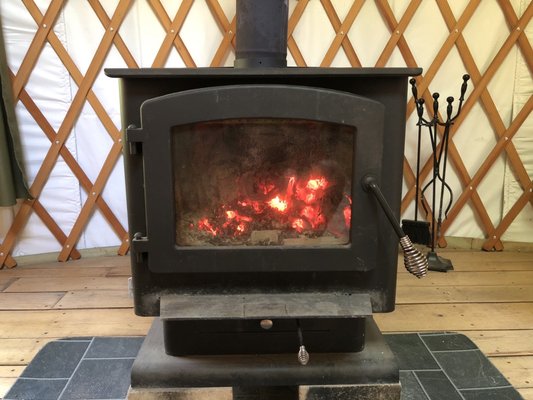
(419, 231)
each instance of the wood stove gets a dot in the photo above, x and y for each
(252, 229)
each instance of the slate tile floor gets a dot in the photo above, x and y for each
(447, 366)
(79, 369)
(440, 366)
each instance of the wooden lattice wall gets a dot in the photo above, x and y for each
(173, 42)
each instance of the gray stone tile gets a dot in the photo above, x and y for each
(411, 352)
(411, 389)
(448, 342)
(56, 360)
(470, 369)
(114, 347)
(507, 393)
(99, 379)
(437, 385)
(36, 389)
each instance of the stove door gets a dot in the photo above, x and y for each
(259, 178)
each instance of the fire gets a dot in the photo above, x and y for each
(266, 187)
(205, 225)
(310, 198)
(298, 225)
(258, 208)
(290, 186)
(347, 212)
(300, 205)
(317, 183)
(230, 214)
(278, 204)
(314, 216)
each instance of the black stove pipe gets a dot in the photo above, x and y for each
(261, 33)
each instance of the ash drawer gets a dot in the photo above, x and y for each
(264, 323)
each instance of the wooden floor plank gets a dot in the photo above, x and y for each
(19, 351)
(119, 271)
(26, 272)
(478, 261)
(90, 262)
(503, 342)
(457, 317)
(454, 278)
(29, 301)
(10, 371)
(517, 370)
(95, 299)
(469, 257)
(5, 385)
(464, 294)
(5, 282)
(526, 393)
(72, 323)
(64, 284)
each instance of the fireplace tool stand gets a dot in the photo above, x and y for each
(440, 160)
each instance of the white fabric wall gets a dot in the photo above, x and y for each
(79, 30)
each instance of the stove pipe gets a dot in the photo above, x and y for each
(261, 33)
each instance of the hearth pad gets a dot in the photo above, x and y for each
(432, 366)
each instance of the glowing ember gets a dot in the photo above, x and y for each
(347, 212)
(290, 187)
(310, 198)
(278, 204)
(265, 187)
(347, 215)
(300, 206)
(205, 225)
(298, 225)
(258, 208)
(318, 183)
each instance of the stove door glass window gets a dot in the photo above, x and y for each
(263, 182)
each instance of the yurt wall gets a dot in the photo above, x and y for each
(69, 117)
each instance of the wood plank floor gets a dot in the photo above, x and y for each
(488, 297)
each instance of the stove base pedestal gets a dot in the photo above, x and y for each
(369, 374)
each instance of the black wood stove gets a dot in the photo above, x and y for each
(255, 237)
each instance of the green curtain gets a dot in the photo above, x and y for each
(12, 182)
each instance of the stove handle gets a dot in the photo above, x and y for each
(414, 261)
